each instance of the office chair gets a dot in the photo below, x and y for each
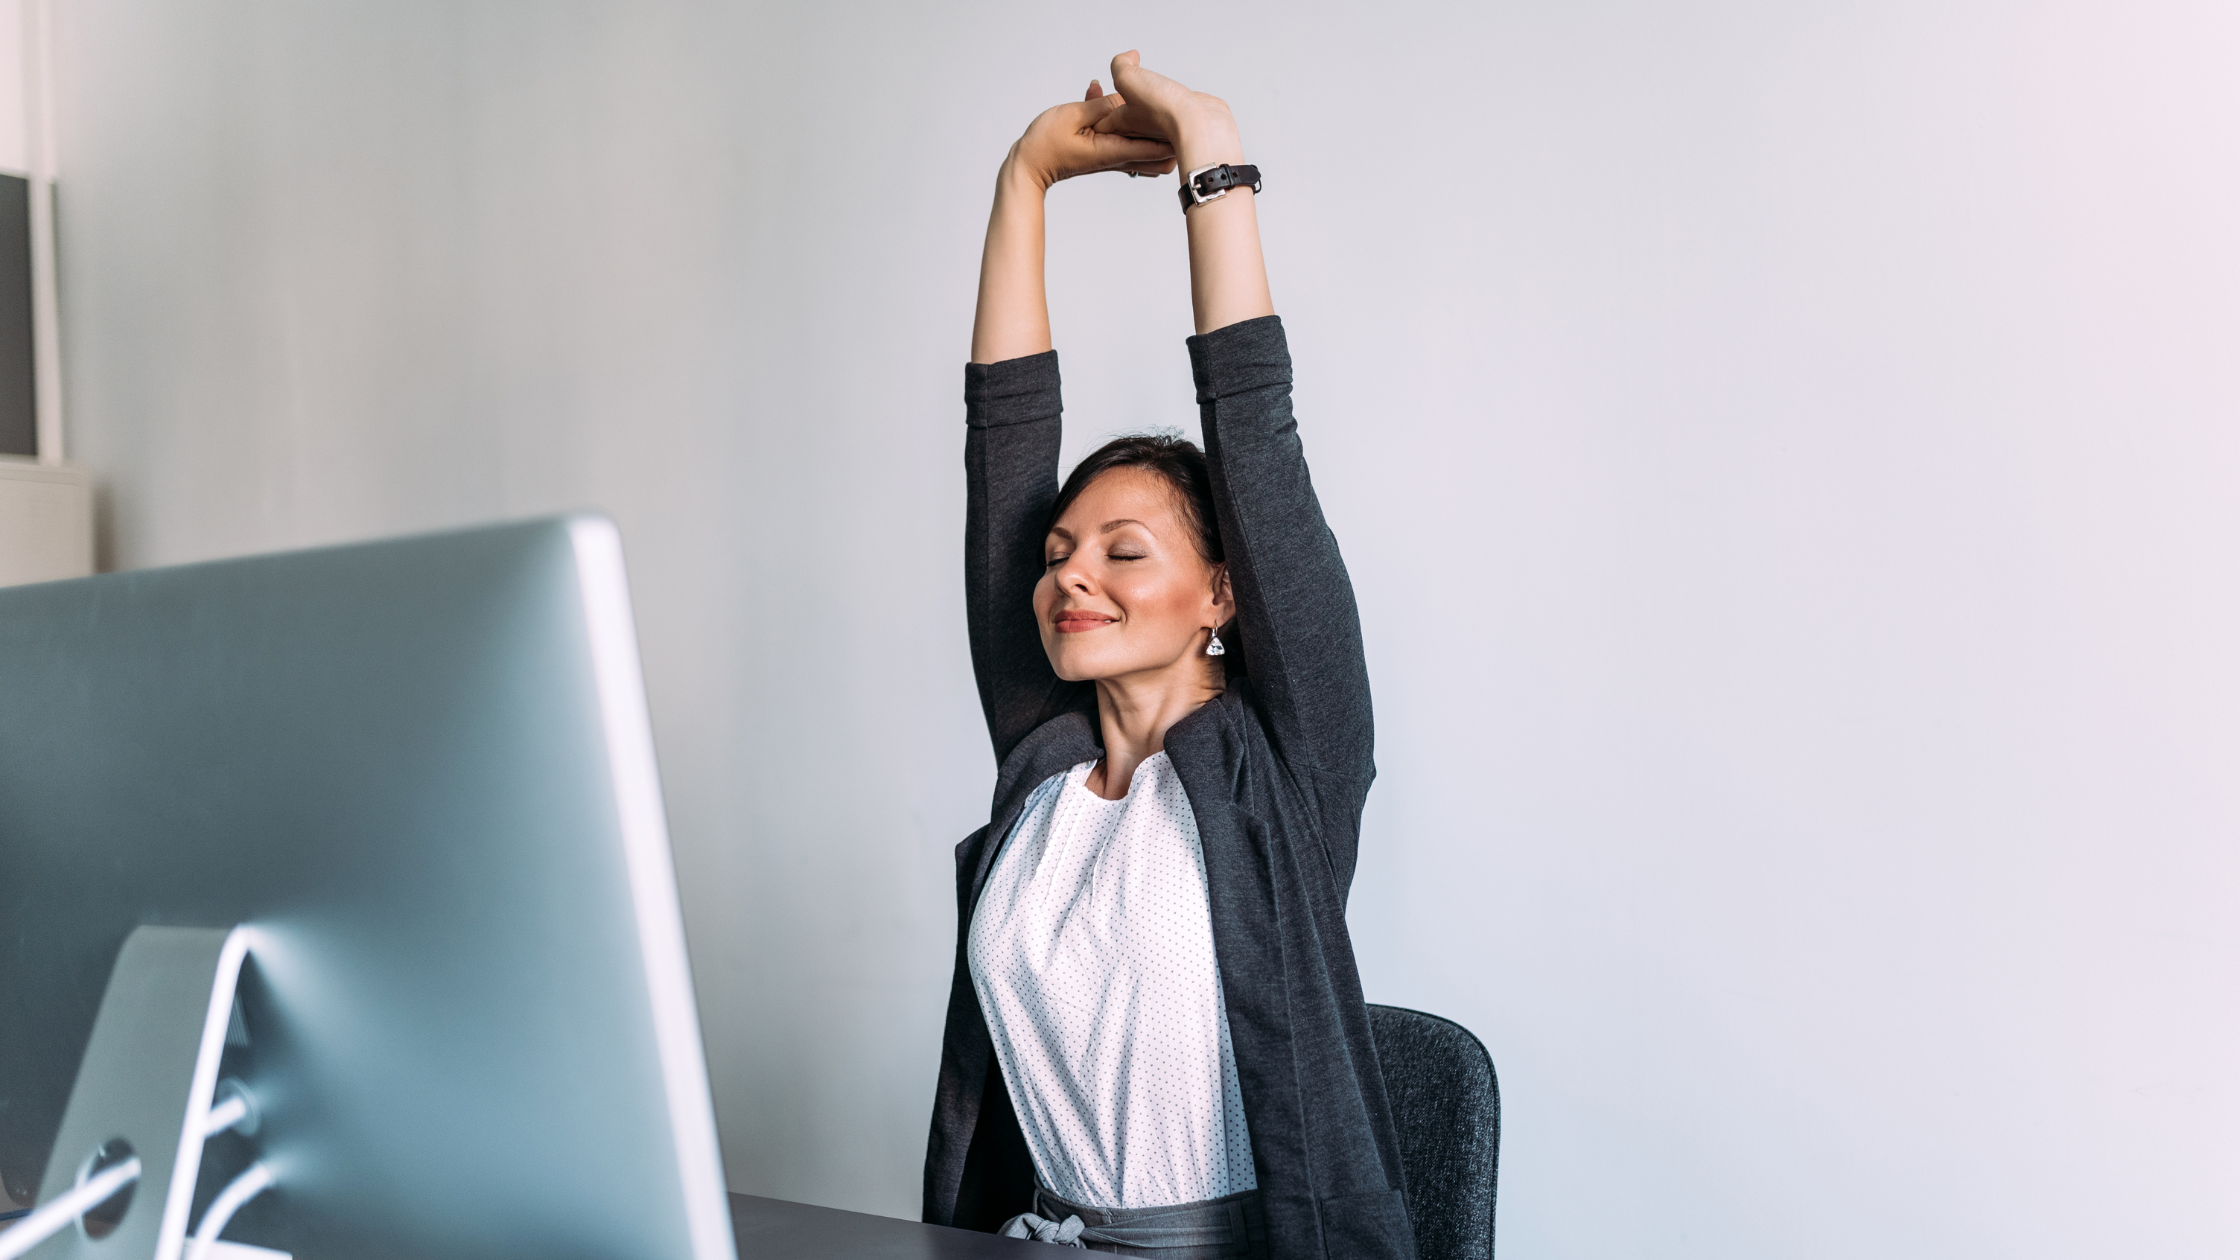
(1446, 1103)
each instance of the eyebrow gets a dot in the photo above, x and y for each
(1060, 531)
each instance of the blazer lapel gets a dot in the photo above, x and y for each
(1056, 746)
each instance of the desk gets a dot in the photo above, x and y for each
(773, 1229)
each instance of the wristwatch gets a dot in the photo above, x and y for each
(1212, 183)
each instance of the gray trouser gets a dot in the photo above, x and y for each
(1228, 1228)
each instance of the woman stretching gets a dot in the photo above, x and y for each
(1156, 1040)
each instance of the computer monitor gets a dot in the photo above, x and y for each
(420, 775)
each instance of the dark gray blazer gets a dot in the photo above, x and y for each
(1276, 771)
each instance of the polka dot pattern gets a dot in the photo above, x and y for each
(1092, 953)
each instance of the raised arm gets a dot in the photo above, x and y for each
(1013, 317)
(1228, 277)
(1300, 628)
(1012, 412)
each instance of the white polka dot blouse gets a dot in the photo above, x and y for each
(1092, 952)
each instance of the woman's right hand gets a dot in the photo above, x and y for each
(1063, 141)
(1013, 317)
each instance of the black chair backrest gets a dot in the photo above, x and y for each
(1446, 1103)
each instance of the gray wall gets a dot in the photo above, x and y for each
(1786, 452)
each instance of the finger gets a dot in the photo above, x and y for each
(1160, 167)
(1125, 66)
(1117, 151)
(1095, 90)
(1089, 111)
(1130, 76)
(1133, 148)
(1120, 65)
(1130, 120)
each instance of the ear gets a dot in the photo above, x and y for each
(1224, 600)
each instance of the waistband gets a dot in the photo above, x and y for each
(1233, 1225)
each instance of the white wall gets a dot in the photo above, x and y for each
(15, 158)
(1786, 453)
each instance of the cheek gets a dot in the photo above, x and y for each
(1158, 599)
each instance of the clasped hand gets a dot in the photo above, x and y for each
(1144, 126)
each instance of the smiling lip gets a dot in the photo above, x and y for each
(1076, 622)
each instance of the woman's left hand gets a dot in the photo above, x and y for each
(1197, 124)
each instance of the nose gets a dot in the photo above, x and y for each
(1073, 576)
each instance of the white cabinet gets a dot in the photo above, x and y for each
(46, 522)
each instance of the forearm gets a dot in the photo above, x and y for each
(1013, 318)
(1228, 276)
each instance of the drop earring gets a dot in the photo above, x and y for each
(1213, 645)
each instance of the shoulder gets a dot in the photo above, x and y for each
(1054, 747)
(1233, 736)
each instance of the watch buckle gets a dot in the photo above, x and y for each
(1190, 182)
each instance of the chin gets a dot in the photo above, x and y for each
(1074, 664)
(1072, 670)
(1085, 666)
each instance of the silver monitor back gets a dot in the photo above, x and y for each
(422, 771)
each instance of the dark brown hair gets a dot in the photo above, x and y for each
(1177, 461)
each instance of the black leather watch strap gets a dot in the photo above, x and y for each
(1212, 183)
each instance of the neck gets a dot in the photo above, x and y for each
(1136, 711)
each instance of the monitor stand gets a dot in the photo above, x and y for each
(147, 1080)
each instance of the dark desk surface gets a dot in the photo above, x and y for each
(773, 1229)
